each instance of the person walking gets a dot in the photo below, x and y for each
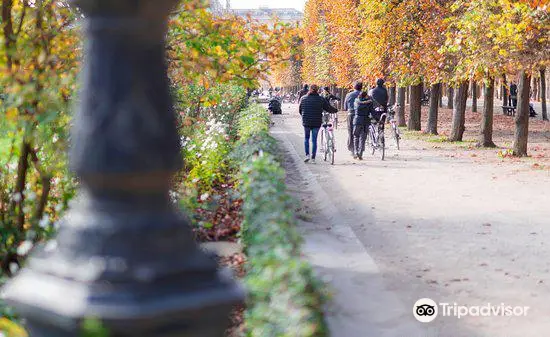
(380, 98)
(364, 108)
(311, 109)
(514, 94)
(328, 95)
(349, 104)
(303, 92)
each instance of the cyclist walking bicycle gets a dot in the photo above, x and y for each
(311, 109)
(349, 103)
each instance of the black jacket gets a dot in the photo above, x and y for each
(513, 91)
(380, 95)
(311, 108)
(363, 109)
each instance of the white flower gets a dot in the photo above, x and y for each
(14, 267)
(27, 209)
(17, 197)
(24, 248)
(45, 221)
(205, 196)
(55, 138)
(196, 180)
(31, 196)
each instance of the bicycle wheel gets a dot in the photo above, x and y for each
(330, 145)
(382, 145)
(372, 140)
(322, 140)
(396, 135)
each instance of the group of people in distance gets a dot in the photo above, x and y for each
(362, 106)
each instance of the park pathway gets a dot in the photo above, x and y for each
(422, 224)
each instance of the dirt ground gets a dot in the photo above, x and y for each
(445, 221)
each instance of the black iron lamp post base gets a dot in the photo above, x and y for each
(123, 255)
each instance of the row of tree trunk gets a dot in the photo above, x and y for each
(457, 100)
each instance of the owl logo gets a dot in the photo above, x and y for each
(425, 310)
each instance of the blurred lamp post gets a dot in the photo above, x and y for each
(123, 254)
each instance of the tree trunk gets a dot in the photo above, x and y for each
(543, 94)
(434, 108)
(415, 108)
(392, 96)
(486, 134)
(408, 96)
(504, 91)
(401, 92)
(534, 88)
(522, 116)
(474, 96)
(22, 168)
(459, 112)
(450, 97)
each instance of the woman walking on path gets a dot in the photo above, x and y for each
(311, 109)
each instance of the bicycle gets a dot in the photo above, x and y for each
(396, 133)
(328, 143)
(335, 119)
(377, 141)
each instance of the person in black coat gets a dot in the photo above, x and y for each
(514, 95)
(364, 108)
(311, 108)
(380, 99)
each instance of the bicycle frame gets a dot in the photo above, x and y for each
(328, 142)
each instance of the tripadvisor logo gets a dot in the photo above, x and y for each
(426, 310)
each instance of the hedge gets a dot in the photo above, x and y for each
(285, 298)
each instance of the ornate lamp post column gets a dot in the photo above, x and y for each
(123, 255)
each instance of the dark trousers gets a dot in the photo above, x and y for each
(350, 132)
(360, 138)
(311, 133)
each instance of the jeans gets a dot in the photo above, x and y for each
(360, 137)
(350, 131)
(313, 133)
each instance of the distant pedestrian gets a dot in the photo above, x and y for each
(513, 95)
(311, 108)
(303, 92)
(349, 103)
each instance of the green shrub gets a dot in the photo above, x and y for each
(285, 299)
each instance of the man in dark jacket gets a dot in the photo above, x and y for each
(361, 121)
(349, 103)
(380, 98)
(311, 108)
(303, 92)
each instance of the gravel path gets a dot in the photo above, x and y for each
(440, 222)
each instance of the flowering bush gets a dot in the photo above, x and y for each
(206, 156)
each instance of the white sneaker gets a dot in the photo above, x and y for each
(313, 160)
(306, 159)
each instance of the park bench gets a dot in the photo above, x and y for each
(509, 110)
